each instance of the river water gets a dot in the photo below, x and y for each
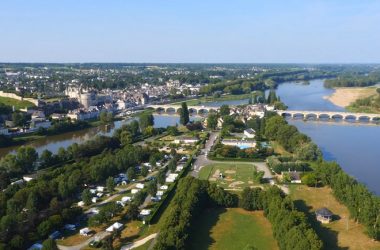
(355, 146)
(53, 143)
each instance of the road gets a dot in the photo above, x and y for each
(99, 236)
(139, 242)
(202, 159)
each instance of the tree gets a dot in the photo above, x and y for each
(172, 130)
(212, 121)
(131, 173)
(144, 171)
(161, 177)
(172, 165)
(62, 154)
(19, 119)
(308, 152)
(49, 244)
(310, 179)
(152, 187)
(134, 127)
(44, 228)
(146, 120)
(32, 202)
(149, 131)
(17, 242)
(184, 115)
(224, 110)
(110, 184)
(132, 211)
(46, 158)
(272, 97)
(26, 157)
(126, 138)
(86, 196)
(106, 117)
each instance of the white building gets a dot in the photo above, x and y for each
(84, 231)
(186, 140)
(250, 133)
(114, 227)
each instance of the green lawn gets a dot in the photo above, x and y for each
(235, 175)
(230, 229)
(13, 102)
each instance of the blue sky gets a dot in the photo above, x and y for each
(205, 31)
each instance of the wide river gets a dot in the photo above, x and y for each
(354, 146)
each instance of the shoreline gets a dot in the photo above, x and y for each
(343, 97)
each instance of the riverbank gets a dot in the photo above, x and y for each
(343, 97)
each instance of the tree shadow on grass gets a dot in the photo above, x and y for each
(200, 232)
(327, 235)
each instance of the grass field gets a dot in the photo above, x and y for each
(235, 175)
(13, 102)
(230, 229)
(343, 233)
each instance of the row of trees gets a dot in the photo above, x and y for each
(354, 80)
(192, 196)
(288, 136)
(363, 205)
(291, 228)
(280, 164)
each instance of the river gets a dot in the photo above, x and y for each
(355, 146)
(53, 143)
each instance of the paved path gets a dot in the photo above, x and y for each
(202, 159)
(139, 242)
(99, 236)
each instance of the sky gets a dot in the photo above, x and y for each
(190, 31)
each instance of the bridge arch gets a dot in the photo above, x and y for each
(337, 117)
(311, 116)
(202, 111)
(376, 119)
(364, 118)
(298, 116)
(170, 110)
(193, 111)
(350, 117)
(324, 116)
(160, 110)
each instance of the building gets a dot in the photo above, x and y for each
(324, 215)
(294, 176)
(4, 131)
(186, 140)
(56, 116)
(40, 123)
(114, 227)
(85, 231)
(242, 144)
(250, 133)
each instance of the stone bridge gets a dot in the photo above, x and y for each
(175, 108)
(327, 115)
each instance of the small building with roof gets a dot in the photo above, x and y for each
(324, 215)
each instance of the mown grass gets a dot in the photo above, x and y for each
(230, 229)
(235, 175)
(343, 232)
(13, 102)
